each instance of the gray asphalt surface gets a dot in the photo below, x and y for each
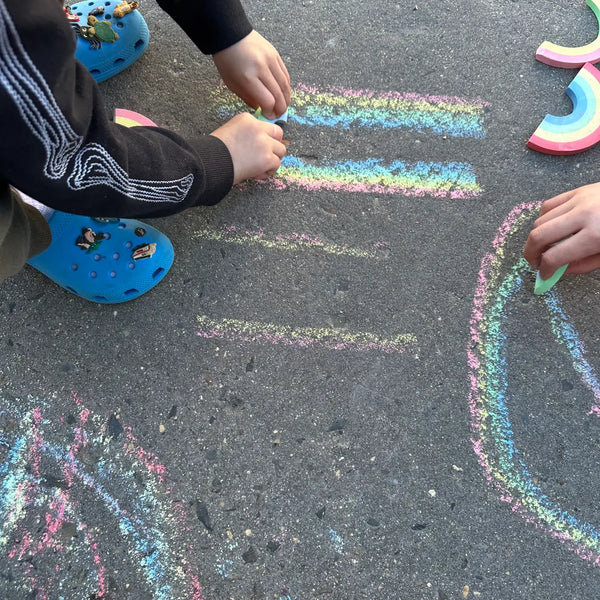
(259, 452)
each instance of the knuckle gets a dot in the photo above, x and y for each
(547, 264)
(536, 237)
(589, 215)
(594, 233)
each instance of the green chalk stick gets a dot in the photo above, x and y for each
(543, 285)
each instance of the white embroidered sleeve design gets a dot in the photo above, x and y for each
(91, 165)
(94, 166)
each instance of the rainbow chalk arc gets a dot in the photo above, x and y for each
(496, 439)
(568, 58)
(578, 131)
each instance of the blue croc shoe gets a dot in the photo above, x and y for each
(104, 260)
(111, 35)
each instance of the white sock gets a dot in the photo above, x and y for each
(46, 211)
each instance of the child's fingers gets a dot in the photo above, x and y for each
(546, 235)
(558, 211)
(283, 79)
(276, 104)
(572, 250)
(533, 251)
(259, 95)
(585, 265)
(279, 150)
(247, 97)
(276, 145)
(277, 132)
(288, 87)
(284, 69)
(552, 203)
(270, 171)
(551, 260)
(276, 148)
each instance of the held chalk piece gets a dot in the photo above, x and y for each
(282, 119)
(543, 285)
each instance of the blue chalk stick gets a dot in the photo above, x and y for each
(282, 119)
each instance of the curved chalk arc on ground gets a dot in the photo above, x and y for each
(578, 131)
(490, 396)
(569, 58)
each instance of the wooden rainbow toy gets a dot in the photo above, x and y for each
(128, 118)
(562, 56)
(581, 129)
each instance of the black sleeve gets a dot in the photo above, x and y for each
(59, 146)
(212, 25)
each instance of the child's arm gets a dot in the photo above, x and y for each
(58, 145)
(574, 217)
(249, 65)
(212, 25)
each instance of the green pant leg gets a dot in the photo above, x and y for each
(23, 232)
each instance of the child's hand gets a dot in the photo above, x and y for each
(254, 71)
(574, 215)
(255, 146)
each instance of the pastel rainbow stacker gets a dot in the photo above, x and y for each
(570, 58)
(578, 131)
(129, 118)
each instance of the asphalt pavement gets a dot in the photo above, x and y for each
(345, 388)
